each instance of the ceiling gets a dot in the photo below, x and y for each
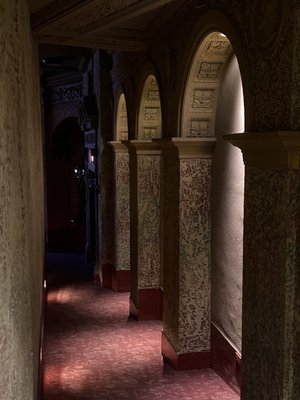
(128, 25)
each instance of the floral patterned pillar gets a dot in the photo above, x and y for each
(185, 220)
(271, 287)
(118, 278)
(146, 294)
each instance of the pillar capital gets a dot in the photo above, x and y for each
(146, 147)
(273, 149)
(188, 147)
(118, 146)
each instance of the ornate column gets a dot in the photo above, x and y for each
(271, 276)
(185, 221)
(146, 293)
(117, 276)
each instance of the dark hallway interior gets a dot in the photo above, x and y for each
(92, 350)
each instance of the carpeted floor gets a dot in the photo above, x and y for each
(93, 351)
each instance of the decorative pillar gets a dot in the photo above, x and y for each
(146, 293)
(185, 221)
(117, 276)
(271, 275)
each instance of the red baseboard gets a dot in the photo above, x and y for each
(121, 281)
(181, 362)
(117, 280)
(226, 362)
(150, 305)
(107, 271)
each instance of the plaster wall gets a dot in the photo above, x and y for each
(21, 205)
(227, 210)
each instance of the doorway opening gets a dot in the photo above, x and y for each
(70, 148)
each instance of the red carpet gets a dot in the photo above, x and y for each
(92, 351)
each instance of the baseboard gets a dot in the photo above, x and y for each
(107, 271)
(187, 361)
(150, 304)
(226, 361)
(121, 281)
(117, 280)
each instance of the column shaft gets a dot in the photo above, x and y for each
(186, 251)
(271, 296)
(146, 298)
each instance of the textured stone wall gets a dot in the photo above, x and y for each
(148, 190)
(194, 281)
(122, 216)
(266, 220)
(170, 243)
(21, 205)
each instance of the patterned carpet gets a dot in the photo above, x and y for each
(93, 351)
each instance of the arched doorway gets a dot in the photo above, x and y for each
(214, 106)
(65, 189)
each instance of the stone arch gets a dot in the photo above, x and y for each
(121, 119)
(213, 105)
(149, 117)
(210, 22)
(202, 88)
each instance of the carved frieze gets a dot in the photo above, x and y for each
(65, 94)
(199, 127)
(153, 95)
(218, 48)
(208, 70)
(149, 132)
(203, 86)
(150, 111)
(203, 99)
(152, 114)
(122, 119)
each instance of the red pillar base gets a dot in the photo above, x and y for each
(226, 362)
(117, 280)
(181, 362)
(150, 305)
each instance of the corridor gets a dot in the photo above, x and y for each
(93, 351)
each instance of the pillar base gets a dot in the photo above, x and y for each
(117, 280)
(186, 361)
(150, 305)
(225, 360)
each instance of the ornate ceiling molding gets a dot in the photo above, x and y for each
(109, 24)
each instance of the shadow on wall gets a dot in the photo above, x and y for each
(227, 209)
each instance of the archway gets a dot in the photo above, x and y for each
(213, 106)
(149, 120)
(146, 280)
(122, 119)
